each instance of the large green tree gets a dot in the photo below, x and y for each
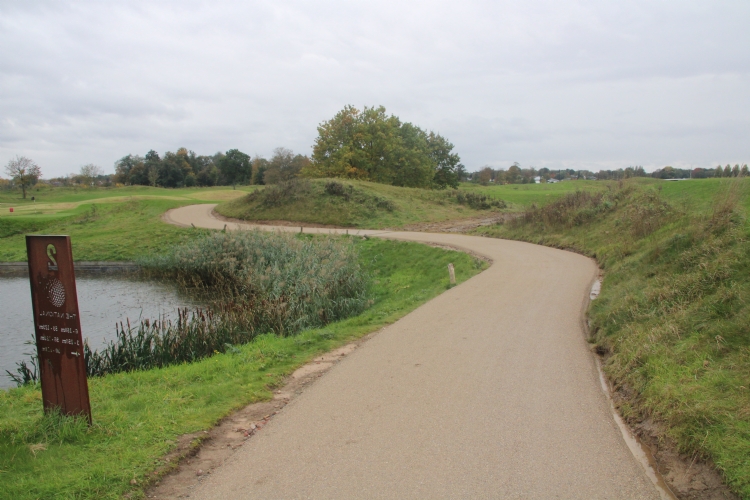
(236, 167)
(375, 146)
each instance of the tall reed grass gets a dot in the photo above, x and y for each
(256, 282)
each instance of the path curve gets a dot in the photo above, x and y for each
(487, 391)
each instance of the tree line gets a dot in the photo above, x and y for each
(519, 175)
(516, 174)
(368, 145)
(184, 168)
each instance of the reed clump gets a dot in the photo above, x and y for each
(284, 282)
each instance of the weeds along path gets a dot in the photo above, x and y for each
(487, 391)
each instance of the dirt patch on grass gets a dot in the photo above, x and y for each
(459, 225)
(219, 195)
(689, 478)
(198, 454)
(686, 477)
(285, 223)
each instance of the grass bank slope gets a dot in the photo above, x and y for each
(524, 195)
(674, 313)
(108, 232)
(356, 204)
(139, 416)
(112, 224)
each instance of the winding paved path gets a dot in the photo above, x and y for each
(487, 391)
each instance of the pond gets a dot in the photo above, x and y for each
(103, 301)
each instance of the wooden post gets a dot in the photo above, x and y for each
(57, 324)
(452, 274)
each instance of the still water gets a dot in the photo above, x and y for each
(103, 302)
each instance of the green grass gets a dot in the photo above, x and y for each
(109, 224)
(674, 313)
(523, 195)
(138, 416)
(45, 194)
(364, 208)
(108, 232)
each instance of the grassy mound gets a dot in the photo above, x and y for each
(674, 313)
(360, 204)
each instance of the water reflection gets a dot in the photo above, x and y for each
(103, 301)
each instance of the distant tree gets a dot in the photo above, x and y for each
(485, 176)
(152, 175)
(208, 176)
(24, 172)
(89, 173)
(744, 170)
(130, 169)
(447, 164)
(736, 171)
(259, 167)
(719, 172)
(151, 168)
(408, 162)
(514, 174)
(235, 167)
(174, 168)
(727, 171)
(283, 166)
(375, 146)
(461, 172)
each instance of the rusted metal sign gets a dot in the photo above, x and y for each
(62, 368)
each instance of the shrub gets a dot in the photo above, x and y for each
(336, 189)
(282, 193)
(348, 192)
(477, 201)
(573, 209)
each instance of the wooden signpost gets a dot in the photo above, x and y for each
(62, 368)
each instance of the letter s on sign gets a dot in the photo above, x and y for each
(51, 252)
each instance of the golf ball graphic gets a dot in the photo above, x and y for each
(56, 292)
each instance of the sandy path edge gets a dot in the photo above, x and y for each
(598, 455)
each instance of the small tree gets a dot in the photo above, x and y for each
(153, 175)
(89, 173)
(283, 166)
(24, 172)
(485, 176)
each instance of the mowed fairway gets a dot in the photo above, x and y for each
(487, 391)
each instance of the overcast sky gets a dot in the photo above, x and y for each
(579, 84)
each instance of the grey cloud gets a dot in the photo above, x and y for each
(541, 82)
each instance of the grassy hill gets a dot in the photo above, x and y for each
(103, 223)
(673, 317)
(356, 204)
